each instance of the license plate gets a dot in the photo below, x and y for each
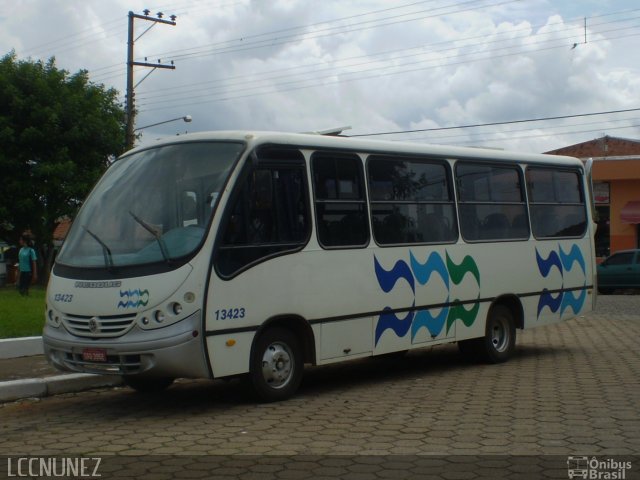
(94, 355)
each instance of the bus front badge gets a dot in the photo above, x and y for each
(94, 326)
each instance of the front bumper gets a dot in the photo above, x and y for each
(174, 351)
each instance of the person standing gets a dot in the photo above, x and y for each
(26, 265)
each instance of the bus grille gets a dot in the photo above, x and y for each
(98, 327)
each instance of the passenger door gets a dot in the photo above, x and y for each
(268, 214)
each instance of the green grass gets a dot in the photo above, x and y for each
(21, 316)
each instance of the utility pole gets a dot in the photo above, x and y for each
(131, 111)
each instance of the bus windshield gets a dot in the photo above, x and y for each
(151, 206)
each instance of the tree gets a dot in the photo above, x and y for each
(58, 134)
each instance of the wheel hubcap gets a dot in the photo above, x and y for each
(500, 335)
(277, 368)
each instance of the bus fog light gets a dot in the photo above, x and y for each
(159, 316)
(145, 321)
(176, 308)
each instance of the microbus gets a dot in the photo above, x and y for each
(227, 254)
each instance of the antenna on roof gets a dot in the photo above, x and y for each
(334, 132)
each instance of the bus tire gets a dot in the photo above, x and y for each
(147, 384)
(499, 341)
(276, 365)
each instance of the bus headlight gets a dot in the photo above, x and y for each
(163, 315)
(53, 318)
(176, 308)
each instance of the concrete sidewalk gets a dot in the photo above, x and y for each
(24, 373)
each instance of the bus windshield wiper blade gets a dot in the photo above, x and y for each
(154, 232)
(106, 251)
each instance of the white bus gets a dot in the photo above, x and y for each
(251, 254)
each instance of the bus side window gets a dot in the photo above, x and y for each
(411, 201)
(268, 215)
(491, 202)
(557, 203)
(340, 200)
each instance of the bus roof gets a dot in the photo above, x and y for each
(312, 141)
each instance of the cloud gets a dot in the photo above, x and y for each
(382, 67)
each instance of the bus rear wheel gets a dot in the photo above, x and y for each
(147, 384)
(499, 340)
(276, 365)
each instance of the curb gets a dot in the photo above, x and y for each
(20, 347)
(43, 387)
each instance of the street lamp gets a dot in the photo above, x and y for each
(186, 118)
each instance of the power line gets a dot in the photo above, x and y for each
(551, 134)
(197, 52)
(78, 39)
(273, 42)
(246, 47)
(319, 82)
(284, 72)
(492, 124)
(277, 41)
(471, 137)
(179, 93)
(117, 67)
(244, 38)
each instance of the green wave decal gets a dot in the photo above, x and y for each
(458, 312)
(458, 271)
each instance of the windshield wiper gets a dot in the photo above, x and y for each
(154, 232)
(106, 251)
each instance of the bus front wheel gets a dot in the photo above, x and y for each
(276, 365)
(499, 341)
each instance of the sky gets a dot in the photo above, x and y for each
(420, 68)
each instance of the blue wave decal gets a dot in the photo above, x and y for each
(388, 278)
(574, 256)
(434, 264)
(434, 325)
(135, 298)
(389, 320)
(575, 303)
(548, 300)
(546, 264)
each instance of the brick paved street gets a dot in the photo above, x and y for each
(571, 389)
